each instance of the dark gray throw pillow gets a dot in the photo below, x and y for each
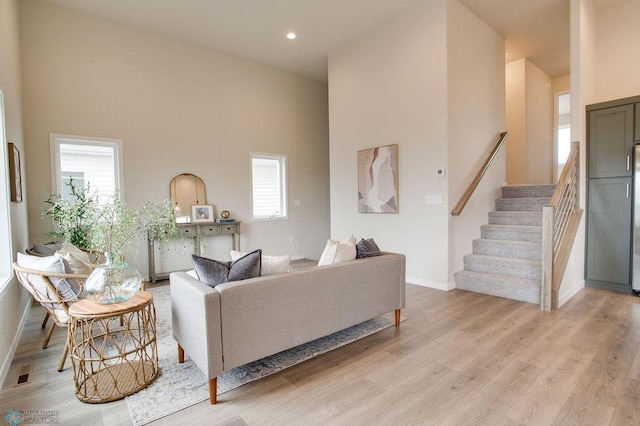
(213, 272)
(367, 248)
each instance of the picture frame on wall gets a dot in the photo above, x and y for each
(378, 179)
(15, 175)
(202, 213)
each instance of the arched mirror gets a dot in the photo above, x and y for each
(186, 190)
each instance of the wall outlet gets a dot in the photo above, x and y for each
(290, 240)
(297, 203)
(434, 199)
(441, 173)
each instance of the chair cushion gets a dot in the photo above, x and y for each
(68, 289)
(213, 272)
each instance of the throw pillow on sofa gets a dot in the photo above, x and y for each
(270, 264)
(213, 272)
(367, 248)
(336, 251)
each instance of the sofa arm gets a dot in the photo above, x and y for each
(195, 318)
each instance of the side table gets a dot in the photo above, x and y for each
(113, 347)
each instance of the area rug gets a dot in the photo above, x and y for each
(181, 385)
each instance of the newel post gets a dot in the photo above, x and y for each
(547, 258)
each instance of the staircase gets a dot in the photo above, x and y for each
(506, 260)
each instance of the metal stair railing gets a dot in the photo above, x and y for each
(560, 223)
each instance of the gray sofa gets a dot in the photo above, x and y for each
(239, 322)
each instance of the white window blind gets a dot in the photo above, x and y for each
(268, 186)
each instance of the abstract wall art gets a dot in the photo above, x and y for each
(378, 180)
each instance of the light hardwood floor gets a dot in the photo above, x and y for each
(458, 358)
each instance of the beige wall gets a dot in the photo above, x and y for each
(476, 117)
(178, 108)
(407, 82)
(530, 124)
(516, 119)
(617, 52)
(13, 299)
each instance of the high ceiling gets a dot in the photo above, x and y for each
(256, 30)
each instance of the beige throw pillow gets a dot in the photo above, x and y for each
(336, 251)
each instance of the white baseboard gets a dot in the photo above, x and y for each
(430, 284)
(569, 294)
(297, 256)
(6, 364)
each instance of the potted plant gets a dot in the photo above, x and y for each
(71, 216)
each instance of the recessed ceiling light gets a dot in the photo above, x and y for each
(291, 35)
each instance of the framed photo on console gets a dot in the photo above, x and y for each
(202, 213)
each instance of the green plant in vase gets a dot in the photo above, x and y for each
(113, 228)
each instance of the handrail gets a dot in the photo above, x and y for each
(472, 187)
(560, 223)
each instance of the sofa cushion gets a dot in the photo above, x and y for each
(336, 251)
(367, 248)
(270, 264)
(213, 272)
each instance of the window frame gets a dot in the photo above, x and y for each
(56, 139)
(282, 159)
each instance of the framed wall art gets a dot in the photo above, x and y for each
(378, 180)
(15, 175)
(202, 213)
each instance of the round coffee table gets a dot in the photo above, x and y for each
(113, 347)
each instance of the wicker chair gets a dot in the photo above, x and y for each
(47, 295)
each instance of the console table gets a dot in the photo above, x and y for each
(195, 232)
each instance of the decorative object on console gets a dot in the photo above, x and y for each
(15, 174)
(185, 190)
(224, 214)
(367, 248)
(336, 251)
(270, 264)
(378, 180)
(213, 272)
(202, 213)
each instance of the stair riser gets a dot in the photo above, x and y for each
(528, 191)
(500, 234)
(528, 219)
(529, 295)
(504, 249)
(521, 204)
(508, 269)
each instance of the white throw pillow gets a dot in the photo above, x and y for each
(270, 264)
(336, 251)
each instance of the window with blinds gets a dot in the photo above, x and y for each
(268, 186)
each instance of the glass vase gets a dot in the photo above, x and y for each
(112, 282)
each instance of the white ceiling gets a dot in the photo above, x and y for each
(255, 30)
